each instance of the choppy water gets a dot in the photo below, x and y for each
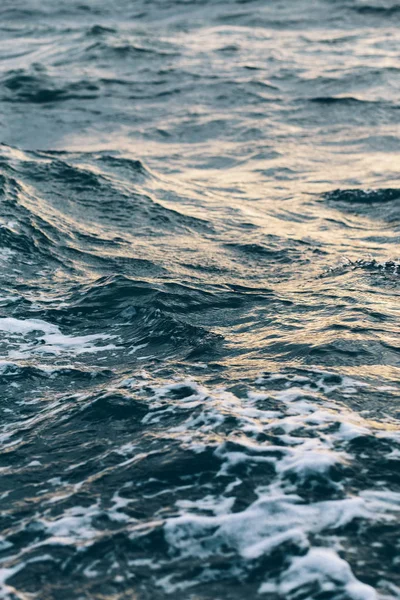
(199, 311)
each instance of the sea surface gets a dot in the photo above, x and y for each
(199, 300)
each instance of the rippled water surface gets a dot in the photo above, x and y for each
(199, 307)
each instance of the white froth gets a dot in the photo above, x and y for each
(322, 566)
(315, 432)
(53, 340)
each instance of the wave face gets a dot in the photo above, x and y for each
(199, 303)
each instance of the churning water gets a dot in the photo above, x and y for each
(199, 308)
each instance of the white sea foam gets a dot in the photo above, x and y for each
(53, 341)
(322, 566)
(279, 515)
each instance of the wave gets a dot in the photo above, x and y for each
(345, 100)
(39, 88)
(376, 10)
(360, 196)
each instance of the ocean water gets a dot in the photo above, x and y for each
(199, 301)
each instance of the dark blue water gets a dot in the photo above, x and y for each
(199, 305)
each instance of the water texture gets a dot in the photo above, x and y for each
(199, 307)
